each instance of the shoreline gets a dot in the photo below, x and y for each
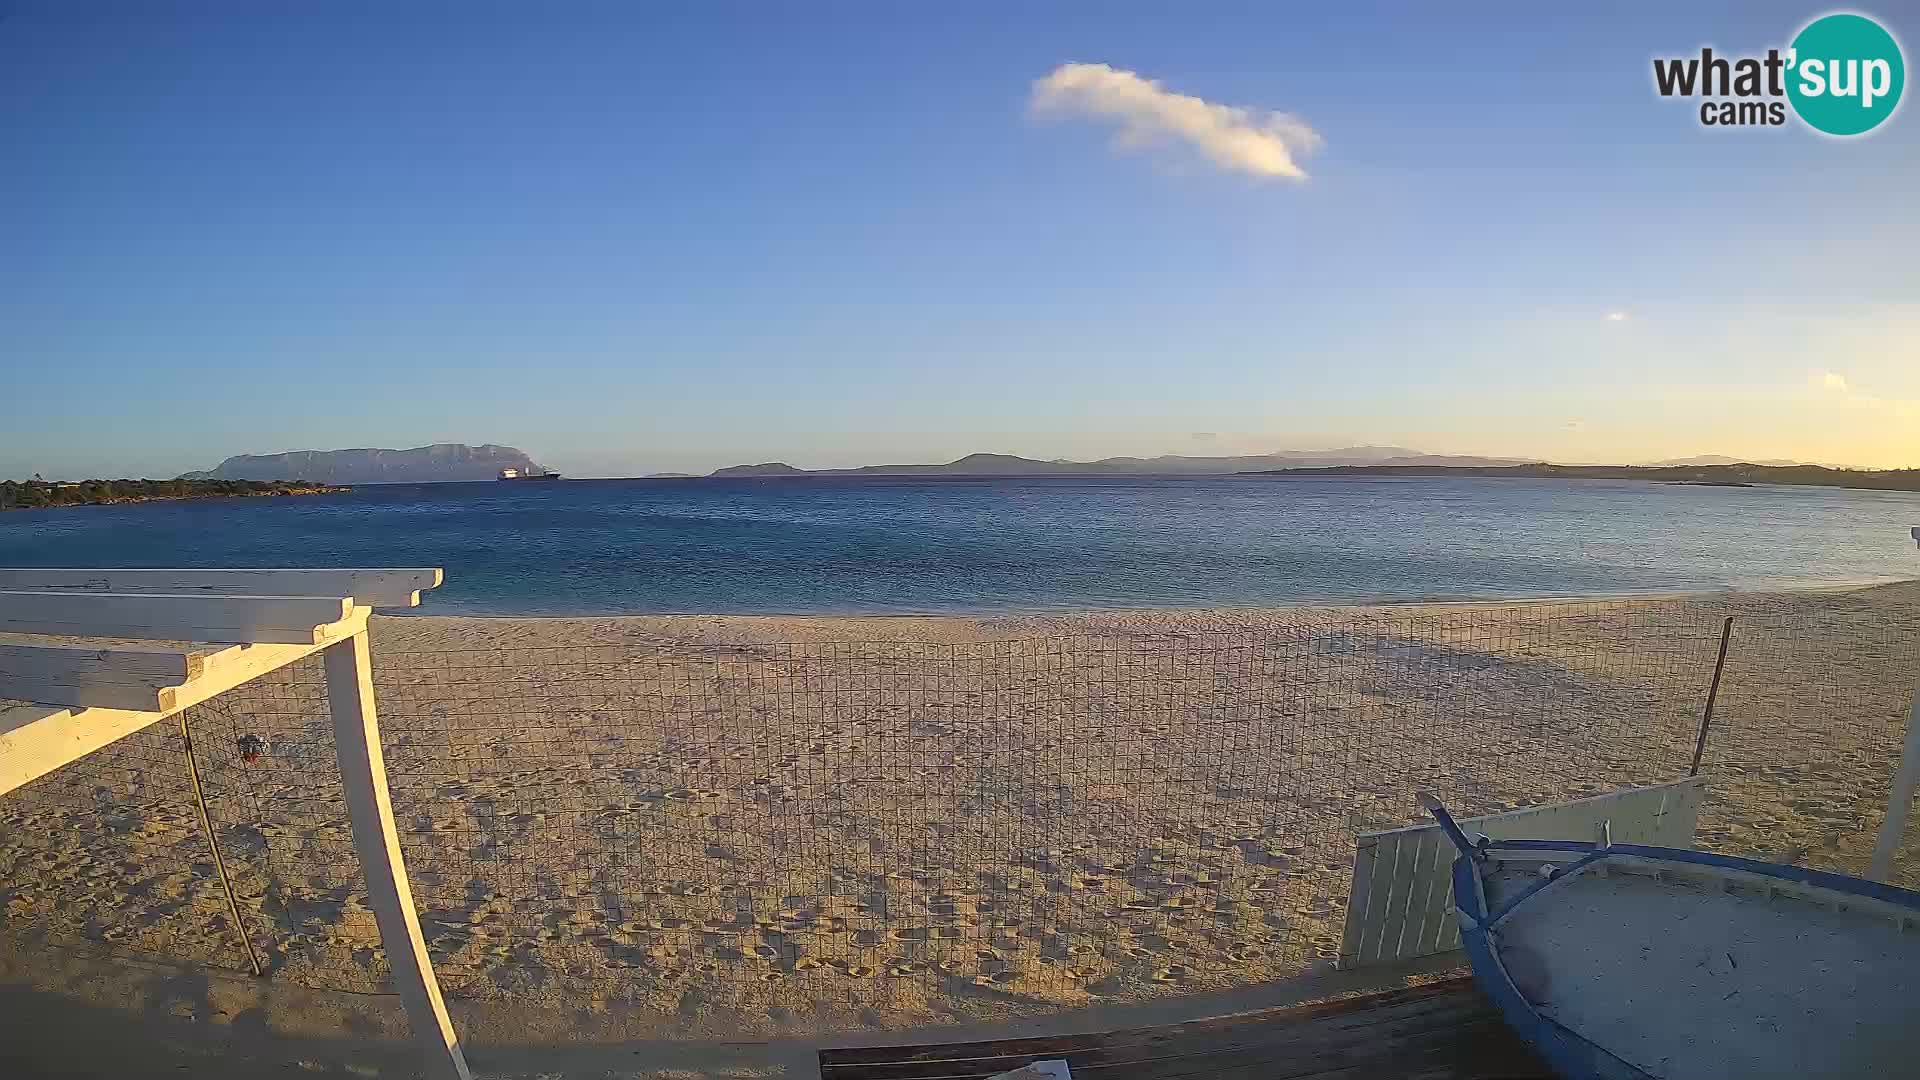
(1331, 605)
(269, 489)
(446, 633)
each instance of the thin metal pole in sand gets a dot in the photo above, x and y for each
(1713, 694)
(213, 842)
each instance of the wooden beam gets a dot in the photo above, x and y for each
(363, 771)
(88, 676)
(157, 616)
(37, 739)
(1441, 1029)
(369, 588)
(1906, 778)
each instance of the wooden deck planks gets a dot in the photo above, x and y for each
(1442, 1031)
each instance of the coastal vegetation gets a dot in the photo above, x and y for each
(27, 494)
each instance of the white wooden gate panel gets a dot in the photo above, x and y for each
(1401, 903)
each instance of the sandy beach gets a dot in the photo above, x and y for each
(701, 825)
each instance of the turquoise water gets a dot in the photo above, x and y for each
(1015, 544)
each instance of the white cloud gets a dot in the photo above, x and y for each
(1234, 137)
(1834, 385)
(1616, 316)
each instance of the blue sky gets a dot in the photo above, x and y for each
(634, 238)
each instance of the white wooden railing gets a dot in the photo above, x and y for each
(226, 627)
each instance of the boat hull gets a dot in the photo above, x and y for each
(1626, 962)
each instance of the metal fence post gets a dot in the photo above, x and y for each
(213, 844)
(363, 770)
(1713, 694)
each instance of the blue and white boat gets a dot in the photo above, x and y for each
(1626, 962)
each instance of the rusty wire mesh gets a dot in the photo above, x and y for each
(1038, 820)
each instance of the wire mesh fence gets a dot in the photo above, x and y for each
(108, 854)
(1807, 733)
(1041, 820)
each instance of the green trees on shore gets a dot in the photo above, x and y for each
(26, 494)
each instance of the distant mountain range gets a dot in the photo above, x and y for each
(443, 462)
(420, 465)
(1166, 465)
(1722, 459)
(1740, 475)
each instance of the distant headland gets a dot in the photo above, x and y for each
(438, 463)
(31, 494)
(1707, 470)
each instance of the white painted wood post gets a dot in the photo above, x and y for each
(1900, 799)
(363, 769)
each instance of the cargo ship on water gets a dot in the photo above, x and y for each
(516, 474)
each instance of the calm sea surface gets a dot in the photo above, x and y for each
(952, 545)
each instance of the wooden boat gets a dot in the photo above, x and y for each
(1626, 962)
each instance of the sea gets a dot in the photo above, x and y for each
(841, 545)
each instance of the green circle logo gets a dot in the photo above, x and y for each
(1845, 74)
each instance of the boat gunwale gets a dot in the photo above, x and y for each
(1569, 1052)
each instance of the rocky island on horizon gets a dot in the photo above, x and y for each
(438, 463)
